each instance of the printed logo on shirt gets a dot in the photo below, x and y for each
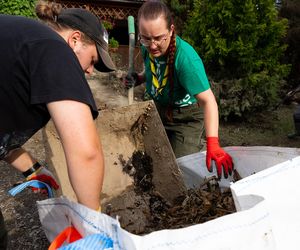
(185, 101)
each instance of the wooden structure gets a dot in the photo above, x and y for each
(106, 9)
(113, 11)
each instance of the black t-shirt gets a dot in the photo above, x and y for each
(36, 67)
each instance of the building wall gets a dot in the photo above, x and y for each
(117, 10)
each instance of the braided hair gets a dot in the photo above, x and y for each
(171, 61)
(153, 9)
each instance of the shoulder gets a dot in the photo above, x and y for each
(186, 57)
(185, 50)
(27, 36)
(25, 30)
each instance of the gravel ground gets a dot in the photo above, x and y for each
(20, 212)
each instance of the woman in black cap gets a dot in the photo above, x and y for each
(42, 76)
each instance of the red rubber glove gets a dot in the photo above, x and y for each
(44, 175)
(216, 153)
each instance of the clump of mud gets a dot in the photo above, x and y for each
(198, 205)
(140, 168)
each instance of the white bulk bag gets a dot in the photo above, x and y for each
(267, 200)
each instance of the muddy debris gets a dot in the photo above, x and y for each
(140, 168)
(139, 128)
(199, 205)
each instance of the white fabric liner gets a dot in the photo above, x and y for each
(267, 200)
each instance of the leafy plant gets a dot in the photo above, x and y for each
(180, 10)
(18, 7)
(290, 9)
(113, 43)
(240, 43)
(108, 25)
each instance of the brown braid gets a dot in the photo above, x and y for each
(171, 61)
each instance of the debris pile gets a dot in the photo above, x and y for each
(199, 205)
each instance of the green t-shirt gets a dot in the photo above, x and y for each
(189, 76)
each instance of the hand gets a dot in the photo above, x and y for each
(131, 80)
(41, 173)
(216, 153)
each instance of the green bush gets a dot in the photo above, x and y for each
(180, 10)
(113, 43)
(107, 25)
(291, 10)
(240, 44)
(18, 7)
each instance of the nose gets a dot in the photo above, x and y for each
(153, 45)
(89, 70)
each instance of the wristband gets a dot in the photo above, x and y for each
(31, 170)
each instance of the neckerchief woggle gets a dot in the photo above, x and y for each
(159, 86)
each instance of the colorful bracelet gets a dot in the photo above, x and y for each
(31, 170)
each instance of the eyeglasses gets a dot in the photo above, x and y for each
(158, 41)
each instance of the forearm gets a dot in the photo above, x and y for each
(211, 119)
(82, 147)
(86, 177)
(211, 115)
(20, 159)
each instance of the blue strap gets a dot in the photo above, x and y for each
(33, 183)
(91, 242)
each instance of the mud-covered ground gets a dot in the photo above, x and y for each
(20, 213)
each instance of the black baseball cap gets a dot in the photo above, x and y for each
(91, 26)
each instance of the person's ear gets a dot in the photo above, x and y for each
(74, 38)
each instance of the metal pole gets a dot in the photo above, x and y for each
(131, 32)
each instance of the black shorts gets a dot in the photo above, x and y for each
(13, 140)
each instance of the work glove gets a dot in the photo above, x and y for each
(222, 159)
(41, 173)
(131, 80)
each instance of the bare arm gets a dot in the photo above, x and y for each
(20, 159)
(82, 147)
(211, 115)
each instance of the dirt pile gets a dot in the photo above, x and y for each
(199, 205)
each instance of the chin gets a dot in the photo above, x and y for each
(156, 53)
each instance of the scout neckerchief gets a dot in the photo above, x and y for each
(158, 85)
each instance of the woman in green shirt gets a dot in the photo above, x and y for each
(176, 80)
